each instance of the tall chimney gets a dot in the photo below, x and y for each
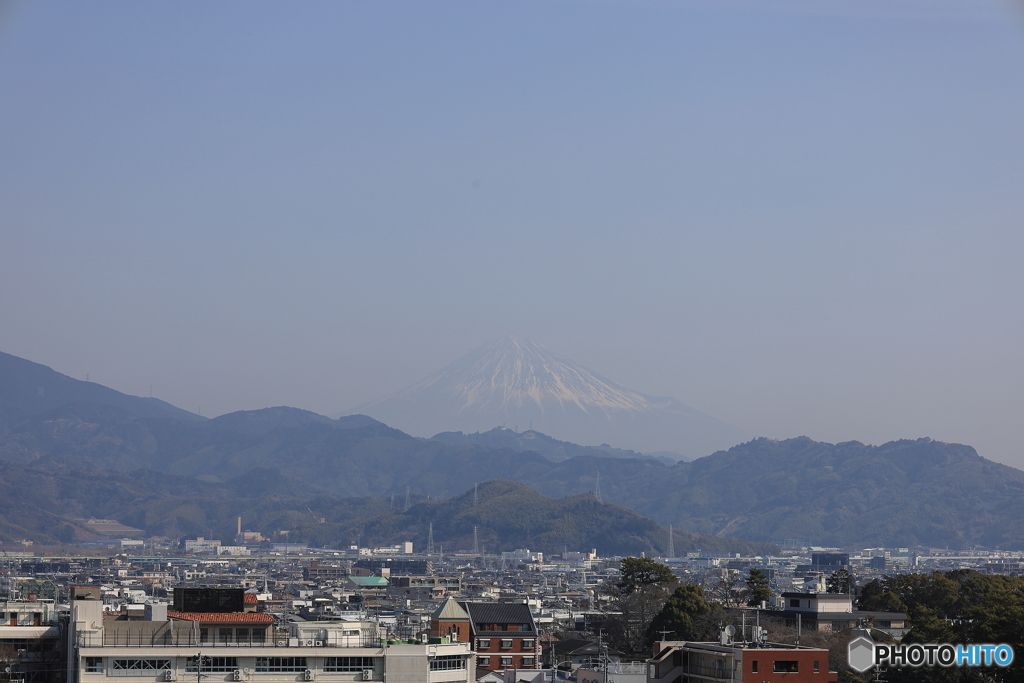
(239, 527)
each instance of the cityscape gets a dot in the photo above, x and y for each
(582, 341)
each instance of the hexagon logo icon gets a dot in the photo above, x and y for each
(861, 654)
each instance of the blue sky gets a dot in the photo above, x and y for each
(800, 217)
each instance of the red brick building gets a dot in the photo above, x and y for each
(503, 635)
(689, 662)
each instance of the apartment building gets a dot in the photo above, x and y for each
(208, 647)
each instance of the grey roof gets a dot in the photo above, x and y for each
(500, 613)
(449, 610)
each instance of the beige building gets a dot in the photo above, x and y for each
(213, 647)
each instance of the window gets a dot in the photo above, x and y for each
(528, 644)
(448, 663)
(204, 635)
(506, 644)
(794, 602)
(506, 661)
(527, 662)
(94, 665)
(816, 669)
(483, 662)
(753, 666)
(348, 664)
(483, 644)
(224, 635)
(259, 635)
(285, 664)
(241, 635)
(135, 667)
(213, 664)
(786, 666)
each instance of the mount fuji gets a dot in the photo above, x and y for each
(515, 382)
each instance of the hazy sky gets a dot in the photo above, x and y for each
(799, 217)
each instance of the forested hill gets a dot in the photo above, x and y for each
(903, 493)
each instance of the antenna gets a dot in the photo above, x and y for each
(597, 488)
(430, 539)
(671, 542)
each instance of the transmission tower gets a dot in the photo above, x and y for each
(597, 489)
(406, 498)
(671, 542)
(476, 501)
(476, 543)
(430, 539)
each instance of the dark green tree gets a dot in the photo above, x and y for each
(643, 571)
(760, 591)
(687, 615)
(839, 582)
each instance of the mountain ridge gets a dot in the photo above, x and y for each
(31, 388)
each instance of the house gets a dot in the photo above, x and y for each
(835, 612)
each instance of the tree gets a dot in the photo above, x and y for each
(643, 588)
(687, 615)
(643, 571)
(760, 591)
(839, 582)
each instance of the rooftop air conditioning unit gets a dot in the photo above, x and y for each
(367, 674)
(236, 675)
(282, 643)
(307, 675)
(169, 675)
(309, 642)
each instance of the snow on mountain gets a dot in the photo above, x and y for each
(516, 383)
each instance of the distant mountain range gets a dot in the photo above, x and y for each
(515, 383)
(28, 388)
(182, 474)
(552, 449)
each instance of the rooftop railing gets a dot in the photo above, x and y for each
(192, 639)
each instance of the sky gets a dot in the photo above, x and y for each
(803, 218)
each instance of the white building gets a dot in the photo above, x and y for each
(201, 545)
(213, 647)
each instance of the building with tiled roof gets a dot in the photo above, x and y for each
(504, 635)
